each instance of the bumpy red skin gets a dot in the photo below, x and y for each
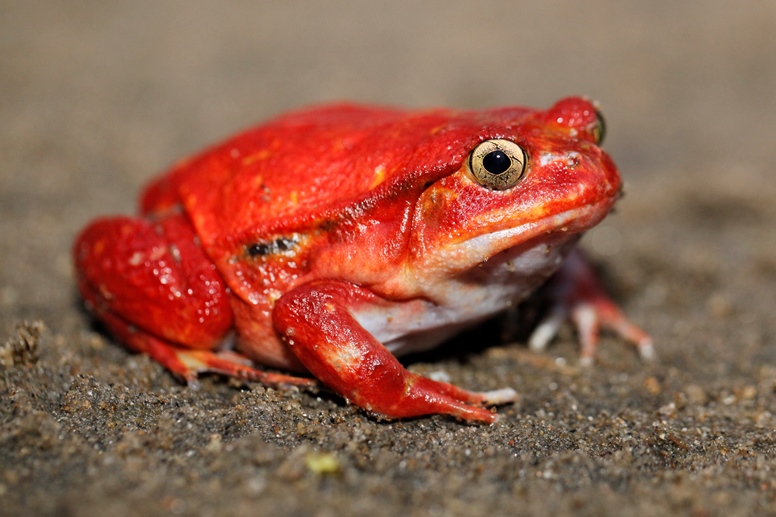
(282, 231)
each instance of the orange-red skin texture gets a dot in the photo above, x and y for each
(332, 203)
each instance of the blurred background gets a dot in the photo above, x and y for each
(96, 97)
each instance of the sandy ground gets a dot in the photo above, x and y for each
(96, 97)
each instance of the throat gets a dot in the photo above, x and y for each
(504, 280)
(452, 304)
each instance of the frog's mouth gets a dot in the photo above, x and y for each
(557, 228)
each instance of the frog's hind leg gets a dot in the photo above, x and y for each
(188, 363)
(317, 325)
(158, 293)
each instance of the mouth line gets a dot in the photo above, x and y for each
(570, 222)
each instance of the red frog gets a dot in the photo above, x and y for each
(330, 240)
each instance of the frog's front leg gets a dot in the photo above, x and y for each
(316, 322)
(578, 295)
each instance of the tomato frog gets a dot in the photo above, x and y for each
(328, 241)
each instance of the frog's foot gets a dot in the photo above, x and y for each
(579, 296)
(316, 323)
(230, 364)
(188, 363)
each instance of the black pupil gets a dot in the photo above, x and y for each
(496, 162)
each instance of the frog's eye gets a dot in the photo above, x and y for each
(498, 164)
(599, 130)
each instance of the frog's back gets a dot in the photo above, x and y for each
(300, 166)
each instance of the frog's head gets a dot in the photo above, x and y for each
(530, 178)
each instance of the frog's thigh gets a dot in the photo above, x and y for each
(154, 276)
(316, 323)
(158, 293)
